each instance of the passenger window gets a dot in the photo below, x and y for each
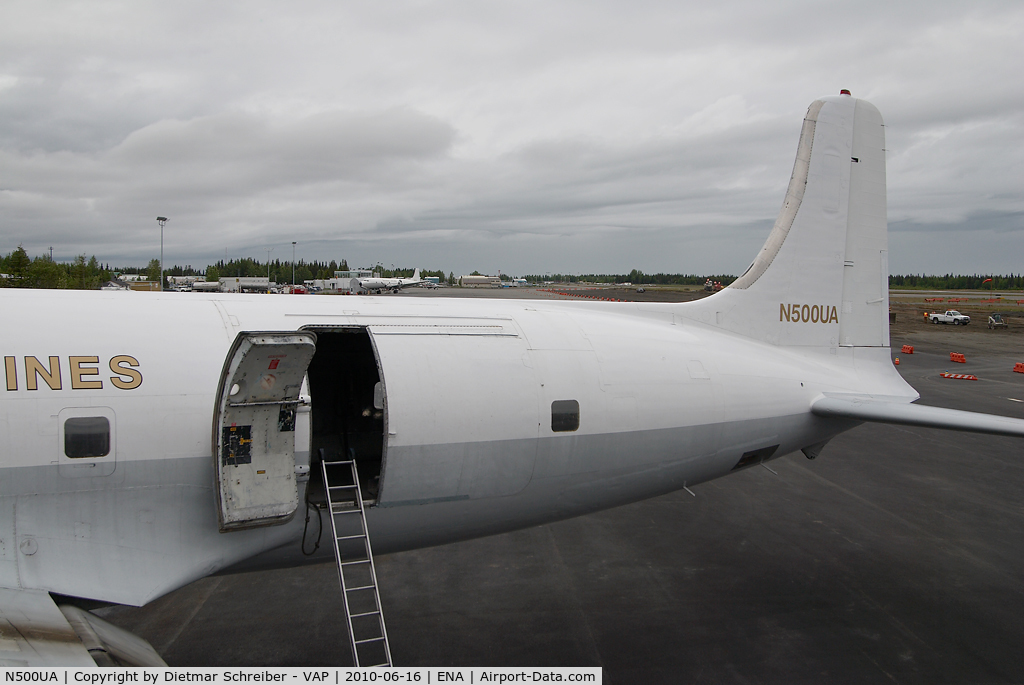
(565, 416)
(87, 436)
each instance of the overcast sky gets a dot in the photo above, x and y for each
(522, 136)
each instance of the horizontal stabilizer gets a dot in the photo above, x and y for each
(34, 632)
(108, 644)
(880, 411)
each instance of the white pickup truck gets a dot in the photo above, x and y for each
(951, 316)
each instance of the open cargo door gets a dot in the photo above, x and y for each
(254, 428)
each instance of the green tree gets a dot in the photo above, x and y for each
(18, 263)
(212, 273)
(153, 270)
(80, 273)
(45, 273)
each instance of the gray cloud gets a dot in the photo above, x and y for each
(575, 136)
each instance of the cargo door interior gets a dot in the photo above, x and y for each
(254, 427)
(349, 417)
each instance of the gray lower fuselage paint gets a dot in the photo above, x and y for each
(662, 405)
(156, 530)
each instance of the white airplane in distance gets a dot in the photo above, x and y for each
(151, 440)
(379, 285)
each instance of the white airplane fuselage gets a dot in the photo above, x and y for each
(664, 402)
(380, 285)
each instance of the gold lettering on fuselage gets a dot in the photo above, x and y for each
(34, 370)
(121, 365)
(77, 371)
(11, 367)
(82, 370)
(808, 313)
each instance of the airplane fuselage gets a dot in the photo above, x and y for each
(379, 285)
(646, 400)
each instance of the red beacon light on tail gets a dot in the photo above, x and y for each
(844, 92)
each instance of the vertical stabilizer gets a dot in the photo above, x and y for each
(821, 279)
(864, 320)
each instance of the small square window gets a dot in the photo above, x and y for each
(565, 416)
(87, 436)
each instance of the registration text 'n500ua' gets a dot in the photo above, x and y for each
(808, 313)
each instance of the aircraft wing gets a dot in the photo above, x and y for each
(882, 411)
(34, 632)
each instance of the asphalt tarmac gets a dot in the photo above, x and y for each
(896, 556)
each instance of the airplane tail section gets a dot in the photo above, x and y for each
(821, 279)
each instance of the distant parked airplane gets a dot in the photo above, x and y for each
(379, 285)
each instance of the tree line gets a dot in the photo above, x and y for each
(957, 282)
(909, 281)
(18, 270)
(280, 271)
(635, 277)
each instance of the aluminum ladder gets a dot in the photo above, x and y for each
(356, 572)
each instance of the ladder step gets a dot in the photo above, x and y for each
(354, 505)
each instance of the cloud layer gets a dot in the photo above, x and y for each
(522, 136)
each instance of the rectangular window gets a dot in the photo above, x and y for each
(87, 436)
(565, 416)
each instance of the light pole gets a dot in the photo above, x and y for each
(293, 265)
(269, 250)
(161, 220)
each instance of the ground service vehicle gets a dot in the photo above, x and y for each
(950, 316)
(997, 321)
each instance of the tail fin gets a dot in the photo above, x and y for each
(821, 278)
